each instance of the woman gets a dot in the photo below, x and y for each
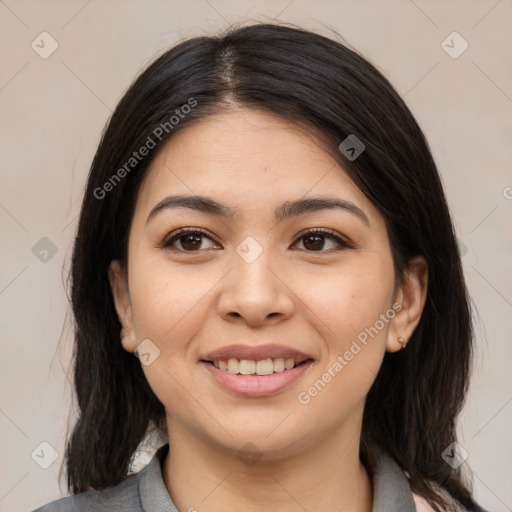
(265, 229)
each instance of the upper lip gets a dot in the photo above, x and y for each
(256, 353)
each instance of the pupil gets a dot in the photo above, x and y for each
(194, 238)
(318, 241)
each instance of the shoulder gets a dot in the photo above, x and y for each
(422, 505)
(124, 497)
(392, 481)
(144, 490)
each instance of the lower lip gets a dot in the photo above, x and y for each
(256, 385)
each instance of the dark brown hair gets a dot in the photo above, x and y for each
(412, 407)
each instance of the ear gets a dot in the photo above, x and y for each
(121, 294)
(411, 294)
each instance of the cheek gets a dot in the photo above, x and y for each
(168, 299)
(353, 313)
(169, 308)
(355, 347)
(351, 300)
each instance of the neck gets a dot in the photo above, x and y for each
(327, 476)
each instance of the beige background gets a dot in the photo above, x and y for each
(53, 111)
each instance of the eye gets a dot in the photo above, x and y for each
(189, 239)
(314, 240)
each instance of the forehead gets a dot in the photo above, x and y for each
(249, 159)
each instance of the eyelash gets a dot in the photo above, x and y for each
(326, 233)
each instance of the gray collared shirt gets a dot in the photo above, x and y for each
(145, 491)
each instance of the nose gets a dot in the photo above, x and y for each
(256, 293)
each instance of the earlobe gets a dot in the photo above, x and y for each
(411, 294)
(121, 295)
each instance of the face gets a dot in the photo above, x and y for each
(261, 315)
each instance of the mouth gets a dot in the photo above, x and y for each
(259, 367)
(256, 371)
(253, 384)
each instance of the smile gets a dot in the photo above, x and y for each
(256, 378)
(252, 367)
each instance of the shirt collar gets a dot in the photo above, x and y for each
(152, 491)
(391, 489)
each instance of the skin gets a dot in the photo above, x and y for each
(317, 298)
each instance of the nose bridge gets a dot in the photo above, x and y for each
(252, 263)
(253, 289)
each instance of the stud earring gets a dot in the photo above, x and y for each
(402, 342)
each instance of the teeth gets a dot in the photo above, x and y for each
(265, 367)
(233, 365)
(289, 364)
(247, 367)
(279, 364)
(250, 367)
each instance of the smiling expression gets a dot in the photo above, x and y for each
(250, 246)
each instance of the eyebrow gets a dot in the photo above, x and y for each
(285, 211)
